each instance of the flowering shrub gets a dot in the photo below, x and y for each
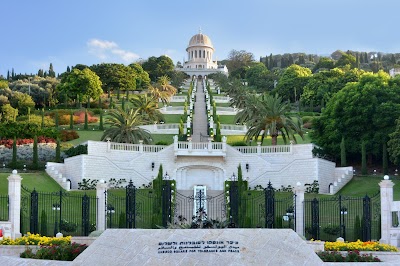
(66, 135)
(351, 256)
(64, 252)
(36, 239)
(81, 117)
(359, 245)
(9, 142)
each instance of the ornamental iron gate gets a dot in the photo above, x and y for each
(48, 213)
(132, 208)
(4, 208)
(190, 209)
(266, 209)
(351, 218)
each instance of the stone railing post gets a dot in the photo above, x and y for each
(141, 146)
(190, 145)
(209, 145)
(101, 195)
(299, 211)
(258, 148)
(386, 189)
(175, 143)
(224, 143)
(14, 194)
(108, 145)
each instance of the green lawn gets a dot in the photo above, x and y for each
(174, 118)
(223, 105)
(38, 180)
(226, 119)
(267, 141)
(86, 135)
(176, 103)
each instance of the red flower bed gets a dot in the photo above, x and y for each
(9, 142)
(81, 117)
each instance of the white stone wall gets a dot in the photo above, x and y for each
(281, 169)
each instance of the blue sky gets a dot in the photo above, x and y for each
(35, 33)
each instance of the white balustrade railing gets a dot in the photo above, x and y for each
(199, 145)
(246, 149)
(167, 126)
(264, 149)
(124, 146)
(136, 147)
(153, 148)
(233, 127)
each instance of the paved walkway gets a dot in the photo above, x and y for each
(200, 123)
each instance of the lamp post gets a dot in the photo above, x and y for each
(56, 209)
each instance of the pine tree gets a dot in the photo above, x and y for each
(85, 127)
(343, 162)
(68, 69)
(384, 159)
(393, 59)
(101, 127)
(363, 158)
(35, 156)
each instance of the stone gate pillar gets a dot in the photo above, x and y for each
(101, 219)
(14, 194)
(299, 202)
(386, 190)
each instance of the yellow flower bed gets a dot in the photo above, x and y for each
(36, 239)
(359, 245)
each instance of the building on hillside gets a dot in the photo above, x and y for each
(200, 60)
(394, 71)
(207, 164)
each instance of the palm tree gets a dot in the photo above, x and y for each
(158, 94)
(164, 85)
(147, 106)
(269, 116)
(124, 127)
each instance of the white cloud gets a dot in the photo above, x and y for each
(110, 51)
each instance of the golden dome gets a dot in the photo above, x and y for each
(200, 40)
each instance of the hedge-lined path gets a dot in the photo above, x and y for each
(200, 125)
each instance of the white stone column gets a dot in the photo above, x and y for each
(299, 202)
(175, 143)
(386, 189)
(14, 194)
(101, 222)
(224, 143)
(258, 148)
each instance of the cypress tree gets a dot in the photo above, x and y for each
(271, 62)
(127, 94)
(68, 69)
(99, 102)
(35, 156)
(363, 158)
(101, 127)
(123, 103)
(343, 162)
(266, 61)
(85, 127)
(71, 120)
(29, 114)
(88, 102)
(58, 151)
(43, 223)
(42, 124)
(118, 91)
(111, 103)
(384, 159)
(14, 154)
(360, 55)
(56, 119)
(8, 74)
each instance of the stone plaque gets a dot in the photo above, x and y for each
(198, 247)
